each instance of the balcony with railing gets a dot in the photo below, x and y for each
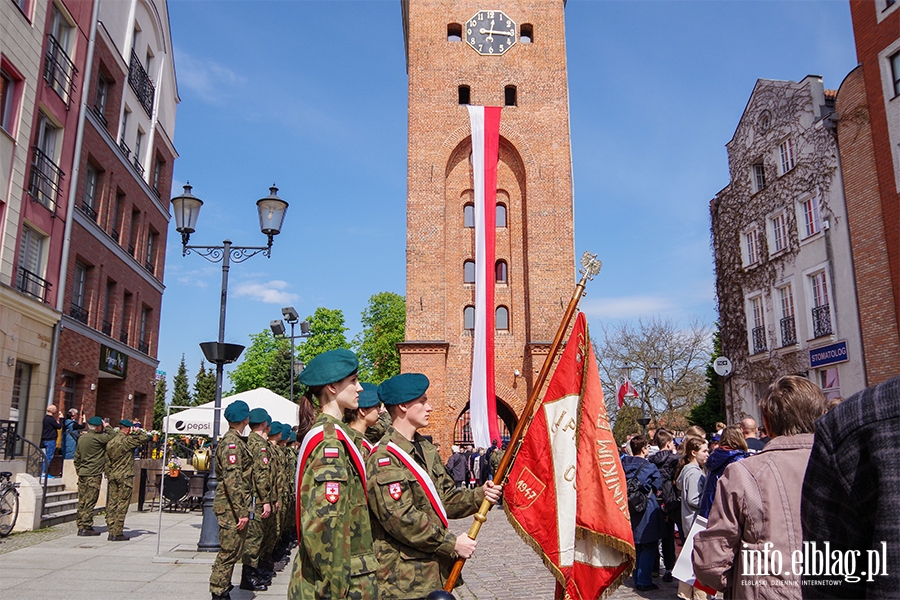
(821, 316)
(45, 180)
(106, 328)
(759, 339)
(788, 331)
(149, 266)
(144, 347)
(141, 84)
(89, 211)
(78, 313)
(59, 70)
(132, 250)
(123, 336)
(33, 285)
(98, 112)
(114, 234)
(123, 147)
(138, 166)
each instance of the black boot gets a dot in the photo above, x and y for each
(249, 582)
(222, 596)
(263, 573)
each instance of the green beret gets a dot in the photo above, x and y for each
(237, 411)
(259, 415)
(402, 388)
(293, 437)
(126, 423)
(274, 429)
(329, 367)
(95, 421)
(286, 431)
(369, 396)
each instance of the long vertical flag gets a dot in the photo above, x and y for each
(485, 123)
(566, 494)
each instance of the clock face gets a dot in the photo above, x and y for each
(490, 32)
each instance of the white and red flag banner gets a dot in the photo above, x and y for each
(626, 389)
(485, 123)
(566, 493)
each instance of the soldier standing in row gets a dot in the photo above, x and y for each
(263, 503)
(120, 473)
(411, 497)
(364, 417)
(232, 502)
(335, 558)
(90, 460)
(266, 570)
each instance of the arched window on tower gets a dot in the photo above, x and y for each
(501, 272)
(501, 215)
(526, 33)
(469, 271)
(469, 317)
(509, 96)
(501, 319)
(468, 215)
(454, 32)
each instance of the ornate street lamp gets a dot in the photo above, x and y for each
(653, 373)
(186, 209)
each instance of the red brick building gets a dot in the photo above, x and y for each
(535, 240)
(868, 109)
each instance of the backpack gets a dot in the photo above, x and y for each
(638, 496)
(671, 499)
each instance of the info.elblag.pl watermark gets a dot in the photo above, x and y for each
(811, 562)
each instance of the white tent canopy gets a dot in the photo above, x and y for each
(198, 420)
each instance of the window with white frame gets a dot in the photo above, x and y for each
(759, 176)
(786, 154)
(788, 323)
(31, 264)
(821, 310)
(778, 224)
(750, 243)
(8, 90)
(757, 319)
(895, 72)
(808, 213)
(830, 382)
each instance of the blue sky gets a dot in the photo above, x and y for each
(311, 95)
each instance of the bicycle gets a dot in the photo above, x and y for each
(9, 503)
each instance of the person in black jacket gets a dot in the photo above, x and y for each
(458, 467)
(666, 460)
(52, 426)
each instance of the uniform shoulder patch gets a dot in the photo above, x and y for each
(232, 446)
(331, 452)
(332, 491)
(383, 462)
(395, 490)
(232, 459)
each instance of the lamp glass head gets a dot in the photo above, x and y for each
(187, 209)
(272, 210)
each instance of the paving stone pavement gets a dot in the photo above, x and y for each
(161, 562)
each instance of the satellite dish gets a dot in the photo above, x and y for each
(722, 366)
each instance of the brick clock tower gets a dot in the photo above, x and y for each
(508, 53)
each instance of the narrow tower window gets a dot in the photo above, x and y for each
(501, 272)
(469, 317)
(469, 271)
(526, 33)
(501, 318)
(501, 215)
(454, 32)
(464, 94)
(509, 96)
(469, 215)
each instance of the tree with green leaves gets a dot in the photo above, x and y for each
(712, 409)
(278, 374)
(181, 395)
(253, 369)
(326, 332)
(204, 385)
(159, 404)
(383, 326)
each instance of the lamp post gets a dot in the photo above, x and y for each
(186, 207)
(278, 330)
(645, 386)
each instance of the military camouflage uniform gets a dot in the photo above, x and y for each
(358, 440)
(496, 457)
(290, 510)
(90, 460)
(273, 528)
(415, 550)
(232, 502)
(261, 490)
(120, 473)
(335, 558)
(377, 431)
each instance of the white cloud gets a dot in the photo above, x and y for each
(270, 292)
(627, 307)
(209, 80)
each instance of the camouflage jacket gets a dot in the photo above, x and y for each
(90, 452)
(335, 554)
(496, 457)
(233, 466)
(261, 475)
(377, 431)
(120, 454)
(360, 440)
(415, 550)
(276, 463)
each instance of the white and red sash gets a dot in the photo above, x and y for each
(422, 477)
(311, 441)
(368, 445)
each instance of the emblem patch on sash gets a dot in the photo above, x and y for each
(232, 458)
(265, 460)
(232, 446)
(332, 452)
(332, 491)
(383, 462)
(395, 490)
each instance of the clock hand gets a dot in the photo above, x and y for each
(491, 31)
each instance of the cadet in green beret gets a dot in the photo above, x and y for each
(263, 501)
(415, 548)
(335, 558)
(90, 460)
(232, 501)
(120, 473)
(364, 416)
(266, 568)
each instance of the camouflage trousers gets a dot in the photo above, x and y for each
(303, 586)
(88, 493)
(259, 531)
(231, 546)
(118, 498)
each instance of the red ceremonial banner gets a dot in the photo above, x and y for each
(566, 494)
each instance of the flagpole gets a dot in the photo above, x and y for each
(590, 266)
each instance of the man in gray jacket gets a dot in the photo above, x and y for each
(754, 524)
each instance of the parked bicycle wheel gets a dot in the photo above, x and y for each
(9, 510)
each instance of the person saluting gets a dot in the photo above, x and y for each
(335, 558)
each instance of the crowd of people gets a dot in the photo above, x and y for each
(766, 493)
